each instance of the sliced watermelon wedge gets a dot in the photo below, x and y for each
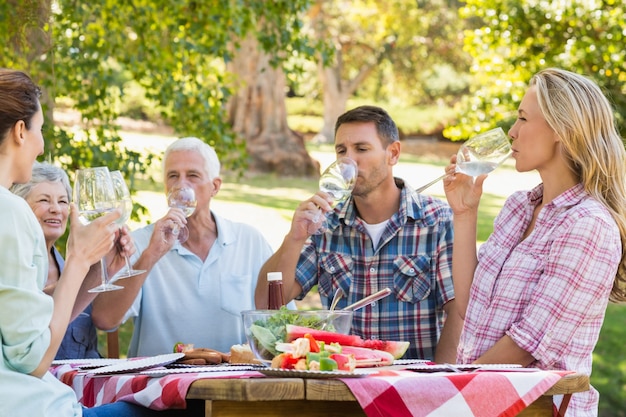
(396, 349)
(365, 357)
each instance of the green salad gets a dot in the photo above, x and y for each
(266, 333)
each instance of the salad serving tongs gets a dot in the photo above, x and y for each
(369, 299)
(333, 304)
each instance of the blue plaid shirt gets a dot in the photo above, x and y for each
(413, 258)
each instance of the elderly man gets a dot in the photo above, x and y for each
(192, 292)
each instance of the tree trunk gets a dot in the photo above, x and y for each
(335, 99)
(257, 112)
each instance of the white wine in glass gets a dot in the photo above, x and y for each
(338, 180)
(184, 199)
(94, 196)
(125, 203)
(480, 154)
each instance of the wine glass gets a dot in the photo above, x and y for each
(338, 181)
(125, 203)
(480, 154)
(184, 199)
(94, 196)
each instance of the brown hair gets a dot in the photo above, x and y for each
(19, 100)
(385, 126)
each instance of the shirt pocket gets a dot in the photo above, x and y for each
(235, 291)
(335, 271)
(411, 278)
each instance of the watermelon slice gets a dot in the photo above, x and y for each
(366, 357)
(396, 349)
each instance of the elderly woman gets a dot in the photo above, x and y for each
(48, 195)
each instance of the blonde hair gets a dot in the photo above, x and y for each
(578, 111)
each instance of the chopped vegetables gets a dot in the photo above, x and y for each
(307, 354)
(182, 347)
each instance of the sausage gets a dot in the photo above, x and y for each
(209, 356)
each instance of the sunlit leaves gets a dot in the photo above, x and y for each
(175, 50)
(512, 39)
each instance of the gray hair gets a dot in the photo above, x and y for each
(211, 162)
(43, 172)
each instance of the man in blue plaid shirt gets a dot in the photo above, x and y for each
(384, 235)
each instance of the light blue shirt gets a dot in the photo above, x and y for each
(25, 313)
(187, 300)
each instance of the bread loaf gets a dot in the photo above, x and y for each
(243, 354)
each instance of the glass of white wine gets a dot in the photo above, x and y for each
(125, 203)
(480, 154)
(94, 196)
(338, 180)
(184, 199)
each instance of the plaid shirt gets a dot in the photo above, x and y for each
(548, 292)
(413, 258)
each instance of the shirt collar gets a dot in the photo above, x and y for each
(225, 233)
(568, 198)
(348, 214)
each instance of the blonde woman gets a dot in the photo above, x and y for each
(537, 290)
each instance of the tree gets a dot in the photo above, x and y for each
(397, 41)
(177, 50)
(512, 39)
(257, 112)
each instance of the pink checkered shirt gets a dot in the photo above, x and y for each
(548, 292)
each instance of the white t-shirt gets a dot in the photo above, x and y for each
(375, 231)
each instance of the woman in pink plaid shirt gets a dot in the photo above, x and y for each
(537, 290)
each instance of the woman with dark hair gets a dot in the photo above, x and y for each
(48, 193)
(32, 324)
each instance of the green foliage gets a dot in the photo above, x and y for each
(97, 53)
(510, 40)
(306, 116)
(391, 50)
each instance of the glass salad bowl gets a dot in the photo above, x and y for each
(264, 328)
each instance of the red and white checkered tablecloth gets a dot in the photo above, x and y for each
(161, 393)
(481, 393)
(384, 393)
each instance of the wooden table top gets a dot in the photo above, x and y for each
(279, 389)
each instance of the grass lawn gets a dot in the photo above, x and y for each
(267, 202)
(609, 363)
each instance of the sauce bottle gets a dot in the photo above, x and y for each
(275, 298)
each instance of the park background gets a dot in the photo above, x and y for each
(263, 82)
